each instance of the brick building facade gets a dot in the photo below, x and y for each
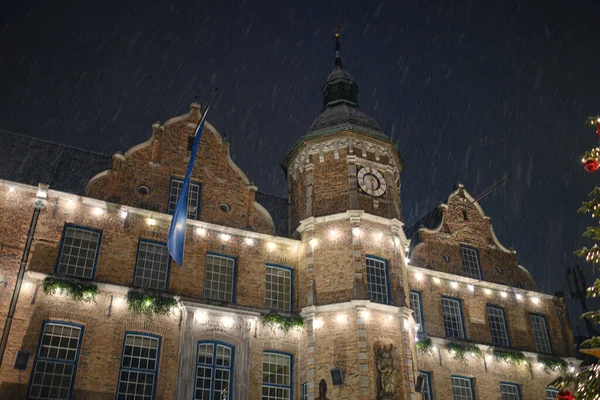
(433, 312)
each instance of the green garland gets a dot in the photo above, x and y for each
(551, 364)
(77, 290)
(285, 323)
(145, 303)
(592, 343)
(424, 345)
(460, 351)
(511, 357)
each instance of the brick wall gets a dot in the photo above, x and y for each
(164, 156)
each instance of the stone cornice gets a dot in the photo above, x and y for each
(54, 195)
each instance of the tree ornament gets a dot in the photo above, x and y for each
(591, 165)
(565, 395)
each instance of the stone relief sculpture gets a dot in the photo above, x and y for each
(322, 390)
(387, 371)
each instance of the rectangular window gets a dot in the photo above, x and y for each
(415, 304)
(427, 392)
(152, 265)
(377, 279)
(139, 367)
(78, 252)
(56, 361)
(219, 278)
(551, 394)
(453, 321)
(540, 333)
(277, 376)
(193, 197)
(498, 326)
(470, 258)
(278, 287)
(305, 391)
(462, 388)
(510, 391)
(214, 370)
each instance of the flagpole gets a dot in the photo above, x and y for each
(177, 230)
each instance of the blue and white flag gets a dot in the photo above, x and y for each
(176, 238)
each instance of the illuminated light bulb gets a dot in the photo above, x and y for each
(379, 235)
(419, 276)
(471, 288)
(313, 243)
(97, 211)
(406, 325)
(340, 318)
(225, 237)
(124, 214)
(416, 340)
(454, 285)
(151, 221)
(397, 241)
(249, 241)
(503, 294)
(390, 316)
(11, 189)
(436, 280)
(317, 323)
(201, 316)
(333, 234)
(356, 231)
(434, 348)
(366, 314)
(148, 302)
(535, 300)
(406, 260)
(487, 291)
(271, 246)
(70, 203)
(518, 297)
(572, 369)
(227, 321)
(201, 231)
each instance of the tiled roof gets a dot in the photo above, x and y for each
(31, 161)
(342, 116)
(278, 208)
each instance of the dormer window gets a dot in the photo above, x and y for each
(193, 197)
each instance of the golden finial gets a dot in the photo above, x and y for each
(338, 28)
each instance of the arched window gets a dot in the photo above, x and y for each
(214, 370)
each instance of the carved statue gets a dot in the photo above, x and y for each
(388, 371)
(322, 390)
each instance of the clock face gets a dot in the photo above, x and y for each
(371, 181)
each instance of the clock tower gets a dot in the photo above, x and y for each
(345, 161)
(344, 204)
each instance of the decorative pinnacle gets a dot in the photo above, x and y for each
(338, 59)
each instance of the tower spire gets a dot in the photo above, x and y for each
(338, 59)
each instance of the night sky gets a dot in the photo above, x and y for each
(472, 92)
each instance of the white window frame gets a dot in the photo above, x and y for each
(279, 283)
(58, 349)
(417, 307)
(510, 391)
(152, 265)
(218, 269)
(134, 373)
(378, 280)
(471, 263)
(552, 393)
(276, 387)
(498, 325)
(194, 192)
(78, 255)
(449, 305)
(462, 388)
(202, 365)
(305, 391)
(541, 335)
(427, 388)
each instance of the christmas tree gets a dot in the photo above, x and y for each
(586, 382)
